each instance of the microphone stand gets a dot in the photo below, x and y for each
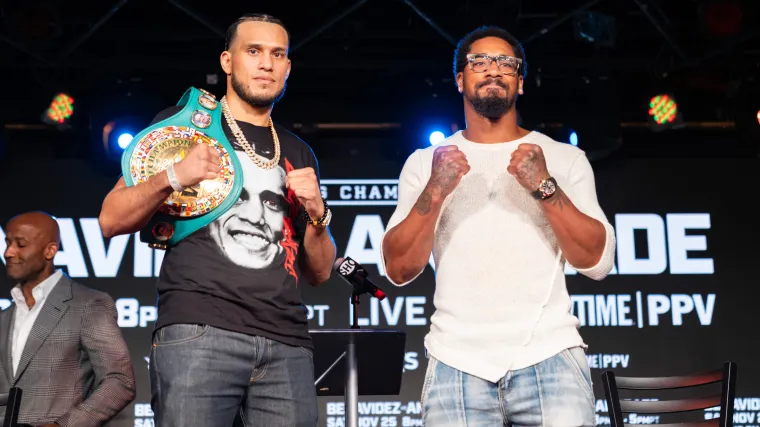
(352, 370)
(351, 387)
(355, 309)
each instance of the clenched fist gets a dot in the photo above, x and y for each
(200, 164)
(528, 166)
(449, 166)
(304, 184)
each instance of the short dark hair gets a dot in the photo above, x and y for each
(464, 45)
(249, 17)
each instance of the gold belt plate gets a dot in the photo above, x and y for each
(170, 144)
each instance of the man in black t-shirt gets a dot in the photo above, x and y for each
(231, 339)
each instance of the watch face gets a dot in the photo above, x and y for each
(548, 187)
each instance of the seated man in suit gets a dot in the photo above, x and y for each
(59, 340)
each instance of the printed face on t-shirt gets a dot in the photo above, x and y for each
(249, 233)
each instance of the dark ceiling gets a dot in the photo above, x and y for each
(385, 60)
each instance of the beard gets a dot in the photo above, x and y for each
(492, 106)
(257, 101)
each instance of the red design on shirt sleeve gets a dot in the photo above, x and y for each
(288, 243)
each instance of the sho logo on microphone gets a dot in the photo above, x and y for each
(347, 267)
(355, 275)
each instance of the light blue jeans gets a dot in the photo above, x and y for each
(556, 393)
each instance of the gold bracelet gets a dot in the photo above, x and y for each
(321, 222)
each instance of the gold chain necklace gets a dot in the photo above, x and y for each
(259, 161)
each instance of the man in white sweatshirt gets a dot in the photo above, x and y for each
(502, 209)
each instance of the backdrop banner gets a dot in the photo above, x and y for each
(680, 298)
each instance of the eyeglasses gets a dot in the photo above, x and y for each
(479, 63)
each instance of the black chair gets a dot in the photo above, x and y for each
(12, 403)
(725, 376)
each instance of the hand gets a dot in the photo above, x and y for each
(304, 184)
(449, 166)
(528, 166)
(201, 163)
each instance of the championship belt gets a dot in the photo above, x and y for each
(169, 141)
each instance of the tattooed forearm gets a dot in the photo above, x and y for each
(559, 200)
(444, 180)
(423, 203)
(449, 164)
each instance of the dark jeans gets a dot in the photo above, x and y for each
(205, 376)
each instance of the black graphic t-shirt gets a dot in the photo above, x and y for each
(241, 272)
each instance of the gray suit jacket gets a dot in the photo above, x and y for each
(75, 369)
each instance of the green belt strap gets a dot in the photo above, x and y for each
(200, 118)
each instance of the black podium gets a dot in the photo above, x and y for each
(379, 360)
(354, 362)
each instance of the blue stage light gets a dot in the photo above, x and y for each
(124, 140)
(436, 137)
(573, 138)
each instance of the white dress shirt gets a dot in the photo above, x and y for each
(25, 316)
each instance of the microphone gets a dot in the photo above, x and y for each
(356, 276)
